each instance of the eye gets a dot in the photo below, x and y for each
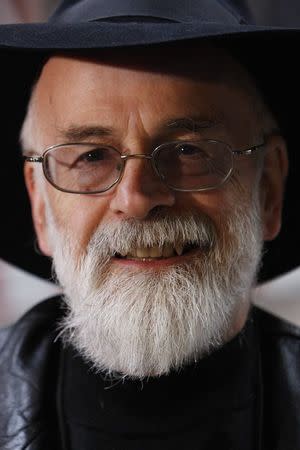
(190, 151)
(97, 154)
(187, 149)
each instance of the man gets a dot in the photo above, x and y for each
(154, 174)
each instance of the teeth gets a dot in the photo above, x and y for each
(142, 252)
(166, 251)
(155, 252)
(179, 249)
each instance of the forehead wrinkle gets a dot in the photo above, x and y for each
(82, 132)
(135, 125)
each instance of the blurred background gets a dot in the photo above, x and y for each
(17, 11)
(19, 290)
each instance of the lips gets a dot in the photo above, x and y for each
(157, 252)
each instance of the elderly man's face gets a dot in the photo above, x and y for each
(130, 108)
(135, 105)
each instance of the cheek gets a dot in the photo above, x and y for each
(78, 215)
(243, 185)
(219, 203)
(215, 202)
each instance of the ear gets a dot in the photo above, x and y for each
(273, 177)
(37, 201)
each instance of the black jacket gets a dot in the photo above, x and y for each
(50, 400)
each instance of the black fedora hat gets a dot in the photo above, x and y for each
(84, 25)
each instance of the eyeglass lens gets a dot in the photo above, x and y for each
(181, 165)
(194, 166)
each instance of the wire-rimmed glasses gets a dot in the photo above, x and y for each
(87, 168)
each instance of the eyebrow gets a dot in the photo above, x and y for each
(79, 133)
(193, 124)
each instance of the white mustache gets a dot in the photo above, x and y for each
(127, 235)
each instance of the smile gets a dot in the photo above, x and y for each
(157, 252)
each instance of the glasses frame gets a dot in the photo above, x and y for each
(41, 159)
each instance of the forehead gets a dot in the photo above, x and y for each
(203, 62)
(150, 86)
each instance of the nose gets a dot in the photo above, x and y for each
(140, 190)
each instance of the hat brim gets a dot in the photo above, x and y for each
(266, 51)
(94, 35)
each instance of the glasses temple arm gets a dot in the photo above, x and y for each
(33, 159)
(248, 151)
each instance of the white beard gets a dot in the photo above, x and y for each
(141, 323)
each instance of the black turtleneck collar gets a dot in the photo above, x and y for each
(208, 405)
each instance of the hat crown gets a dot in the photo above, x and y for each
(71, 11)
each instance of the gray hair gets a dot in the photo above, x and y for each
(29, 139)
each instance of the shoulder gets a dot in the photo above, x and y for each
(279, 343)
(34, 325)
(30, 339)
(273, 325)
(29, 355)
(279, 338)
(27, 345)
